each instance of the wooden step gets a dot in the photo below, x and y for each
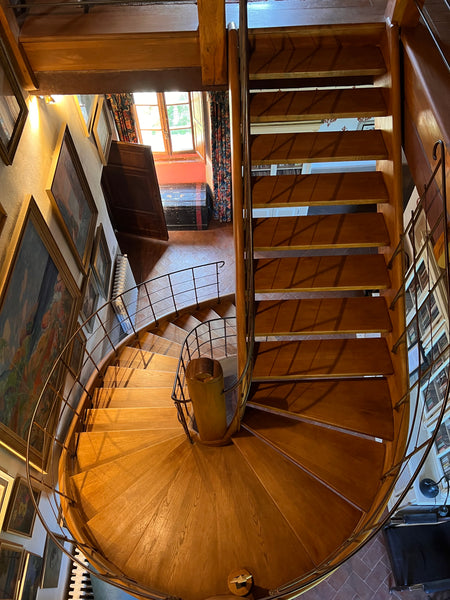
(307, 105)
(103, 484)
(317, 146)
(171, 332)
(156, 397)
(319, 189)
(349, 230)
(321, 358)
(96, 448)
(321, 273)
(143, 359)
(155, 343)
(320, 61)
(120, 419)
(322, 316)
(126, 377)
(350, 465)
(321, 519)
(360, 405)
(226, 309)
(159, 529)
(186, 322)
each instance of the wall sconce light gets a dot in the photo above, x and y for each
(48, 99)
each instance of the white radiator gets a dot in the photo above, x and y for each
(124, 282)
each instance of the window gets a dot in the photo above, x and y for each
(165, 122)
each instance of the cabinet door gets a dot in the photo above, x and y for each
(132, 193)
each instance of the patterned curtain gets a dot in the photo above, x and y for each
(121, 106)
(221, 160)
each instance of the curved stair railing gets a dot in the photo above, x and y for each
(68, 392)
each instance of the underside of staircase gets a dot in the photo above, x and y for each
(305, 469)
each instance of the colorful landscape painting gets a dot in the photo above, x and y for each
(36, 315)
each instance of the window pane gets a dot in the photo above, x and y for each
(145, 98)
(179, 116)
(148, 117)
(176, 97)
(154, 139)
(181, 140)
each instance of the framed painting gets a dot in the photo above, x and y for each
(31, 577)
(86, 105)
(102, 130)
(13, 109)
(101, 262)
(77, 352)
(22, 512)
(6, 487)
(90, 300)
(11, 557)
(38, 308)
(72, 199)
(52, 564)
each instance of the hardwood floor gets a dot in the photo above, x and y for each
(151, 258)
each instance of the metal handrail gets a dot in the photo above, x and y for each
(216, 339)
(142, 306)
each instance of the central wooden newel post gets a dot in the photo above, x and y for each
(205, 383)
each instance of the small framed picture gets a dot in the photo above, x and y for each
(13, 109)
(102, 130)
(11, 557)
(86, 105)
(31, 577)
(6, 487)
(77, 352)
(2, 217)
(22, 512)
(90, 300)
(52, 564)
(101, 262)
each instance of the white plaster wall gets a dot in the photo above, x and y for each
(29, 175)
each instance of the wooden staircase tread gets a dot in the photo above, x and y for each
(186, 322)
(317, 146)
(306, 105)
(96, 448)
(321, 273)
(359, 405)
(133, 397)
(319, 189)
(312, 509)
(351, 465)
(171, 332)
(348, 230)
(320, 61)
(225, 309)
(208, 485)
(110, 419)
(356, 357)
(101, 485)
(144, 359)
(358, 314)
(155, 343)
(129, 377)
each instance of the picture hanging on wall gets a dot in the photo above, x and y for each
(6, 487)
(86, 105)
(11, 556)
(13, 109)
(38, 307)
(77, 352)
(72, 199)
(101, 262)
(90, 300)
(31, 577)
(102, 130)
(2, 217)
(22, 512)
(52, 564)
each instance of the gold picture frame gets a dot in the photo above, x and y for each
(22, 511)
(86, 105)
(6, 488)
(72, 199)
(102, 130)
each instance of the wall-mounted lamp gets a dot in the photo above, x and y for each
(48, 99)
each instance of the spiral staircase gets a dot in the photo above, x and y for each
(294, 488)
